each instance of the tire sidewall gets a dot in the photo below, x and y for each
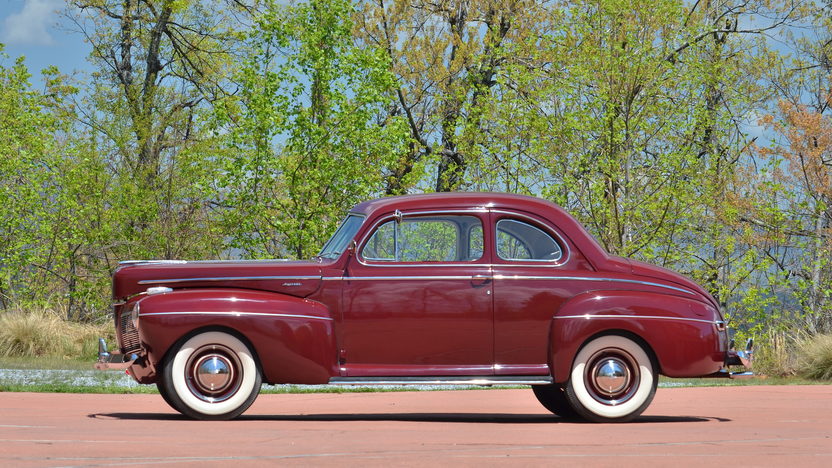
(190, 404)
(580, 398)
(553, 398)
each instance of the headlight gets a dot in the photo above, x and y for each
(134, 316)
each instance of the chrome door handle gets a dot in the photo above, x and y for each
(479, 280)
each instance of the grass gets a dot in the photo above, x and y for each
(815, 357)
(71, 388)
(46, 362)
(44, 333)
(666, 382)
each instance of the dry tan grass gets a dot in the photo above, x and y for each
(45, 333)
(815, 357)
(775, 356)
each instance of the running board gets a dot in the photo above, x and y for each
(455, 380)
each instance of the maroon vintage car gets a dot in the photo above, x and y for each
(453, 288)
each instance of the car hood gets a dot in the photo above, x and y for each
(297, 278)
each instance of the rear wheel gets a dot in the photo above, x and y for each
(212, 375)
(613, 379)
(553, 398)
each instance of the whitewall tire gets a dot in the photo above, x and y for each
(212, 375)
(613, 379)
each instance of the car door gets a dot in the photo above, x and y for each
(418, 298)
(535, 271)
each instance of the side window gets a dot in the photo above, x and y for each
(517, 240)
(426, 239)
(476, 245)
(382, 246)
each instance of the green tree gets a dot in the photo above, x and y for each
(307, 128)
(26, 165)
(447, 58)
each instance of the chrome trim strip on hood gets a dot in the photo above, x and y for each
(198, 262)
(237, 314)
(227, 278)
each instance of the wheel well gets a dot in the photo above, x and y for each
(629, 335)
(213, 328)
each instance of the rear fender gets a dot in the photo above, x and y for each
(293, 337)
(681, 333)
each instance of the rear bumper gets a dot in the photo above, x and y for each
(737, 358)
(726, 374)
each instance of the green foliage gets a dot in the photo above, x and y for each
(304, 129)
(28, 188)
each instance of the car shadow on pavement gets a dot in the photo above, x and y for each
(479, 418)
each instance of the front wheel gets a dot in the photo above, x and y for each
(212, 375)
(613, 379)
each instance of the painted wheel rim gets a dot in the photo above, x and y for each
(612, 376)
(213, 373)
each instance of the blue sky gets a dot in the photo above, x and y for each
(35, 29)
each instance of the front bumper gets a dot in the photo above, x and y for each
(107, 361)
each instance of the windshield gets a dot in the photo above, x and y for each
(342, 237)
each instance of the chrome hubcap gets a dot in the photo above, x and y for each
(212, 373)
(611, 376)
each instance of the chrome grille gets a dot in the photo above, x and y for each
(128, 333)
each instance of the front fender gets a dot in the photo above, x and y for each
(293, 338)
(682, 333)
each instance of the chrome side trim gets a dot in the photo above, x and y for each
(500, 277)
(589, 278)
(237, 314)
(454, 380)
(404, 278)
(423, 265)
(228, 278)
(648, 317)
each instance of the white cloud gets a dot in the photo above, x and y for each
(30, 26)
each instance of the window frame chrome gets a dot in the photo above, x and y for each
(566, 251)
(398, 216)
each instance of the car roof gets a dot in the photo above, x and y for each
(455, 200)
(565, 222)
